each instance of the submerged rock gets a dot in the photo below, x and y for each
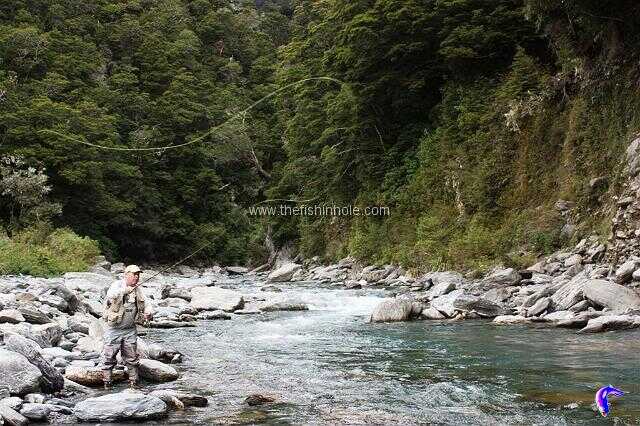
(187, 399)
(257, 399)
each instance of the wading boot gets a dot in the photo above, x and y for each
(107, 376)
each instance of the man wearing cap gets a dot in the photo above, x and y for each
(124, 306)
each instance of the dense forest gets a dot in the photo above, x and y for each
(468, 119)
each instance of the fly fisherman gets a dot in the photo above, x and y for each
(124, 306)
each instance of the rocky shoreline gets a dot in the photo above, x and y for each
(571, 289)
(52, 334)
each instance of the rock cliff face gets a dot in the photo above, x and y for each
(624, 240)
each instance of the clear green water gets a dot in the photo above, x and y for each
(329, 366)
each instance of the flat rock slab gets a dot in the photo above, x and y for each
(120, 407)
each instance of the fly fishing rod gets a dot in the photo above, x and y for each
(172, 266)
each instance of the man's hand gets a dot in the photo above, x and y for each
(148, 316)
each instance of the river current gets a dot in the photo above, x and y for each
(328, 365)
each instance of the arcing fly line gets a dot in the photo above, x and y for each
(199, 138)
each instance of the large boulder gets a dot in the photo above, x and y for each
(611, 322)
(156, 371)
(284, 272)
(483, 307)
(502, 278)
(17, 374)
(445, 304)
(52, 381)
(120, 407)
(392, 310)
(611, 295)
(215, 298)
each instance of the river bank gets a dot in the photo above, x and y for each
(52, 334)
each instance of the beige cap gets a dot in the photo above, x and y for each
(132, 268)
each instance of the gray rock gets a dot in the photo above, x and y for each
(117, 268)
(51, 380)
(170, 324)
(33, 315)
(624, 273)
(284, 305)
(445, 304)
(552, 268)
(237, 270)
(580, 306)
(270, 288)
(214, 315)
(633, 157)
(440, 289)
(87, 282)
(35, 411)
(483, 307)
(90, 376)
(12, 417)
(431, 314)
(188, 399)
(17, 374)
(539, 307)
(498, 295)
(13, 402)
(121, 407)
(47, 335)
(392, 310)
(611, 295)
(56, 352)
(156, 371)
(611, 322)
(284, 272)
(559, 316)
(511, 319)
(11, 316)
(502, 278)
(215, 298)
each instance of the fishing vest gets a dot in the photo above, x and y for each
(114, 309)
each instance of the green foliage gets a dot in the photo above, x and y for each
(144, 75)
(41, 251)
